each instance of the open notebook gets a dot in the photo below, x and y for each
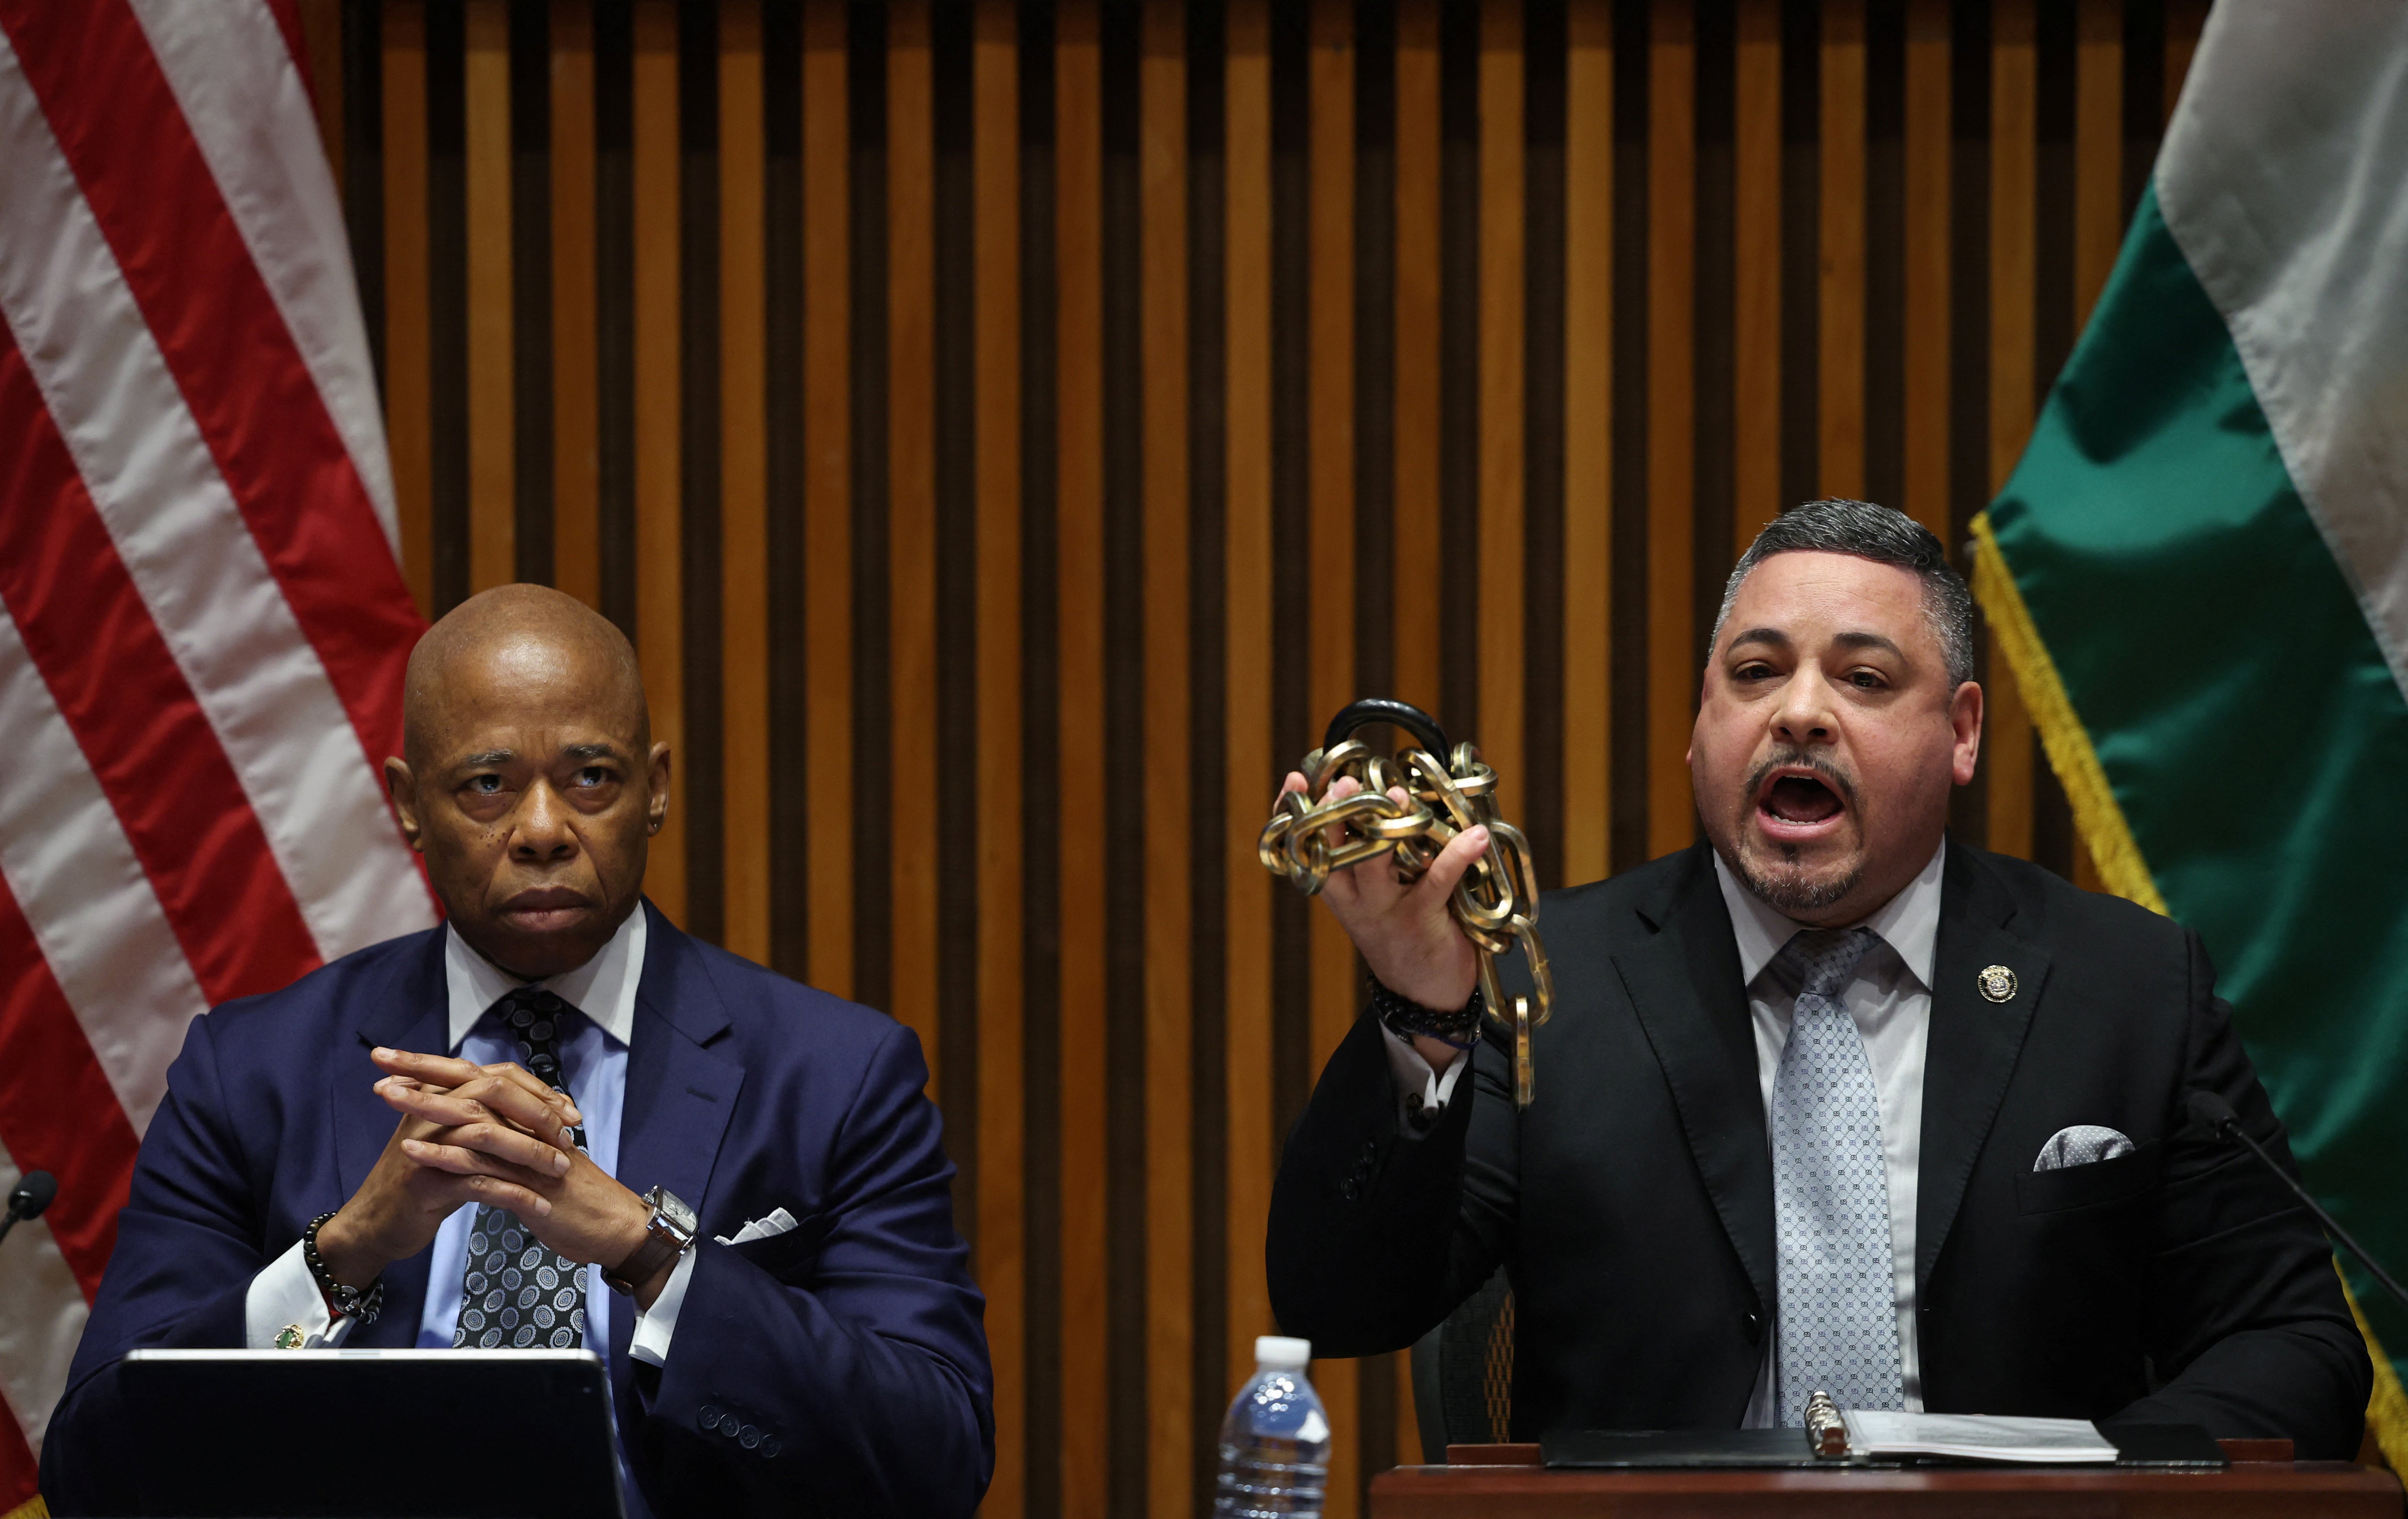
(1861, 1437)
(1971, 1437)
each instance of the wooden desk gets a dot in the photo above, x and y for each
(1483, 1487)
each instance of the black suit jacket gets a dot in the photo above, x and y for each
(1631, 1205)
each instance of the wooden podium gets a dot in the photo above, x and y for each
(1506, 1481)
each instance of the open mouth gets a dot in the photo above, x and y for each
(1797, 803)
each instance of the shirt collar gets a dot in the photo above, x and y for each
(1908, 922)
(602, 988)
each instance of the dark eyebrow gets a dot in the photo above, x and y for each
(1868, 640)
(486, 759)
(590, 752)
(1758, 635)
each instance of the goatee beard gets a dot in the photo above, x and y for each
(1791, 893)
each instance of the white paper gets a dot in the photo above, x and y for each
(1975, 1436)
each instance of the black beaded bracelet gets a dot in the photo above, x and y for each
(1409, 1019)
(348, 1302)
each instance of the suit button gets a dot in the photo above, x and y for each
(1350, 1189)
(769, 1447)
(750, 1438)
(710, 1417)
(729, 1428)
(1752, 1321)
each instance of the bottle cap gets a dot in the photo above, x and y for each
(1280, 1352)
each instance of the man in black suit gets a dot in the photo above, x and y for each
(1828, 1100)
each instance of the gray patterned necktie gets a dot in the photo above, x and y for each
(1830, 1191)
(518, 1293)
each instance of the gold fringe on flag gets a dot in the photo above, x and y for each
(2386, 1410)
(2104, 832)
(33, 1508)
(2109, 839)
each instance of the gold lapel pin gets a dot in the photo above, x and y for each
(1997, 984)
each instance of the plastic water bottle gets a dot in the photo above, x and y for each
(1275, 1442)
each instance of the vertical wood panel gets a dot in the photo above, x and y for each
(2014, 74)
(1588, 445)
(911, 519)
(2184, 20)
(744, 481)
(2098, 150)
(1671, 282)
(1001, 1252)
(659, 559)
(1501, 379)
(321, 48)
(1252, 763)
(1756, 265)
(1929, 142)
(1840, 332)
(1169, 1226)
(1113, 468)
(409, 358)
(1078, 539)
(1420, 567)
(577, 460)
(492, 543)
(2098, 204)
(1330, 494)
(827, 489)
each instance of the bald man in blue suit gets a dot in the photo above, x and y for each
(458, 1137)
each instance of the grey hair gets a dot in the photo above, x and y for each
(1885, 536)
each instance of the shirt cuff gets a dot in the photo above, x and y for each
(1425, 1091)
(650, 1343)
(284, 1296)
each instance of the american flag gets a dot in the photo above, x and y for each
(202, 615)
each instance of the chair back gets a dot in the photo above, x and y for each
(1463, 1373)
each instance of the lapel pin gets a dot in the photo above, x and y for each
(1997, 984)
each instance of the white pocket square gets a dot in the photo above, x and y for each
(780, 1221)
(2083, 1144)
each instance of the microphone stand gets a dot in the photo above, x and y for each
(2224, 1123)
(32, 1194)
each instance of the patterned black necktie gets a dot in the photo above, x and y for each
(519, 1294)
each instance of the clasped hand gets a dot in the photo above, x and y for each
(479, 1134)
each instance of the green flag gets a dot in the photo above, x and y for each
(2198, 575)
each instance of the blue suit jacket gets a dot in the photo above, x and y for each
(855, 1340)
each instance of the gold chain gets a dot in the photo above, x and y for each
(1496, 903)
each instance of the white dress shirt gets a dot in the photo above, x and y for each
(1889, 999)
(594, 1070)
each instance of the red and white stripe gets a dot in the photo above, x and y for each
(202, 619)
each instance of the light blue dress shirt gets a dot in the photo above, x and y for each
(593, 1070)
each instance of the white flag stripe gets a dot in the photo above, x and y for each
(82, 890)
(242, 96)
(2291, 207)
(45, 1318)
(183, 539)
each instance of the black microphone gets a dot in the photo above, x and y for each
(2222, 1122)
(32, 1194)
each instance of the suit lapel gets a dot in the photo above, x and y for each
(1973, 1041)
(680, 1091)
(410, 1010)
(1682, 979)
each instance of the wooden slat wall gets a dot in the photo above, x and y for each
(1009, 429)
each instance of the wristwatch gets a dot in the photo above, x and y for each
(667, 1234)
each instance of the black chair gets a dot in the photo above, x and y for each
(1463, 1373)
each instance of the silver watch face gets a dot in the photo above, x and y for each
(674, 1210)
